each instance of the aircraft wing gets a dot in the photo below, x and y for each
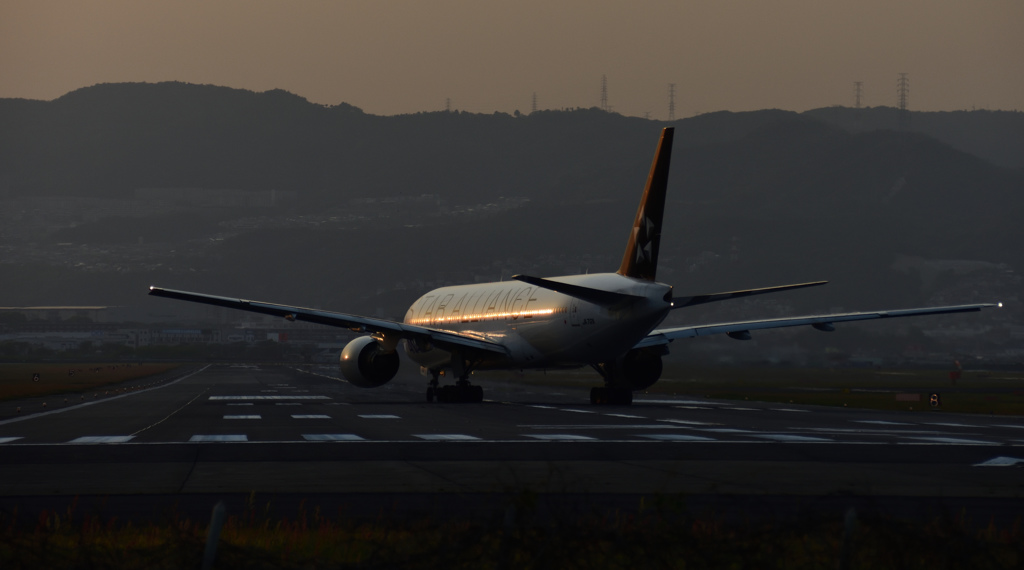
(440, 338)
(741, 330)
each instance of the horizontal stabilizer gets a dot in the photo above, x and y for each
(680, 302)
(595, 296)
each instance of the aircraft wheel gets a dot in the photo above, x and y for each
(599, 395)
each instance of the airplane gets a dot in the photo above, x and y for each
(607, 321)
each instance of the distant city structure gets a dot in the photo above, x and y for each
(533, 106)
(671, 101)
(857, 86)
(448, 105)
(903, 91)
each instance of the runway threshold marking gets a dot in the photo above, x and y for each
(675, 437)
(560, 437)
(103, 439)
(218, 438)
(331, 437)
(999, 462)
(445, 437)
(955, 440)
(265, 397)
(789, 438)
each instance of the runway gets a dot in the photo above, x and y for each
(284, 432)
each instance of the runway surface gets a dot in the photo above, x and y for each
(284, 432)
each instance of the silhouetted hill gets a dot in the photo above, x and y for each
(996, 136)
(755, 199)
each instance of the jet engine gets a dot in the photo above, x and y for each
(639, 368)
(366, 365)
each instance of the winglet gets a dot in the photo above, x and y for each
(641, 257)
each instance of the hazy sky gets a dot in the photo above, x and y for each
(401, 56)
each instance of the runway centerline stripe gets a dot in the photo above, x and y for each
(331, 437)
(881, 422)
(675, 437)
(999, 462)
(103, 439)
(689, 422)
(218, 438)
(311, 416)
(560, 437)
(632, 417)
(599, 426)
(265, 397)
(788, 437)
(244, 417)
(787, 410)
(380, 417)
(446, 437)
(955, 440)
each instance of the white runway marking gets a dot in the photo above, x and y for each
(787, 410)
(244, 417)
(241, 404)
(311, 416)
(599, 426)
(743, 409)
(691, 402)
(446, 437)
(1009, 426)
(955, 440)
(789, 438)
(626, 416)
(689, 422)
(949, 425)
(380, 417)
(9, 439)
(881, 423)
(221, 438)
(1000, 462)
(279, 404)
(103, 439)
(229, 398)
(675, 437)
(577, 411)
(725, 430)
(692, 407)
(331, 437)
(560, 437)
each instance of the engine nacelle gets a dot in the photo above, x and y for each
(365, 365)
(639, 368)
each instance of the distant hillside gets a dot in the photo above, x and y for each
(755, 199)
(996, 136)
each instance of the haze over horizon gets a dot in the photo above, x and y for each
(406, 56)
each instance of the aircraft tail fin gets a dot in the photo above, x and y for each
(641, 257)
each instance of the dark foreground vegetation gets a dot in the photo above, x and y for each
(659, 536)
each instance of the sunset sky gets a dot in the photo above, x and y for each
(403, 56)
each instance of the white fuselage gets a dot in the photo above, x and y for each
(540, 328)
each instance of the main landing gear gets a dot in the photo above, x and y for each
(462, 392)
(611, 396)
